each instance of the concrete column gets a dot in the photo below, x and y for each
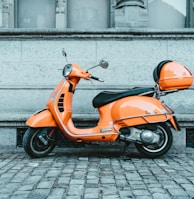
(61, 14)
(131, 14)
(112, 13)
(6, 14)
(190, 14)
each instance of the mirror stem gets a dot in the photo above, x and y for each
(92, 67)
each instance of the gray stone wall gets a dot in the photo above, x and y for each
(31, 65)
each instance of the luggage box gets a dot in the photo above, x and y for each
(172, 75)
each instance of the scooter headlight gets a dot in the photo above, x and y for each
(67, 70)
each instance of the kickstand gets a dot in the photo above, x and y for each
(125, 156)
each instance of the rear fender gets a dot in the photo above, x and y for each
(42, 118)
(174, 123)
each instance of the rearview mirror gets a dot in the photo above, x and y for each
(104, 64)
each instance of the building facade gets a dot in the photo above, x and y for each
(133, 35)
(89, 14)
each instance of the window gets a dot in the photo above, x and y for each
(88, 14)
(62, 13)
(167, 14)
(35, 14)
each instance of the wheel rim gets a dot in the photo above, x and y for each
(37, 146)
(154, 148)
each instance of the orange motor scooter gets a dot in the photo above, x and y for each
(133, 116)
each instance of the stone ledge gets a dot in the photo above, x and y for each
(18, 119)
(119, 33)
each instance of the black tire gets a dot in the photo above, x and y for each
(161, 148)
(33, 145)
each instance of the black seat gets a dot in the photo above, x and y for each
(106, 97)
(156, 72)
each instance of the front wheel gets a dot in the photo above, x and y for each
(39, 142)
(160, 148)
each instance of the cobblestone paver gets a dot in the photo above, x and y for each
(98, 174)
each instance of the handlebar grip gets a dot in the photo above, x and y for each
(96, 78)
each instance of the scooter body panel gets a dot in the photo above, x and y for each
(137, 110)
(42, 118)
(60, 105)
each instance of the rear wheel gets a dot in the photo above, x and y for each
(160, 148)
(39, 142)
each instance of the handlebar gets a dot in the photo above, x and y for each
(97, 79)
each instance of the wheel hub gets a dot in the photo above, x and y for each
(149, 137)
(43, 140)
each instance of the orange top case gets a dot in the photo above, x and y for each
(173, 76)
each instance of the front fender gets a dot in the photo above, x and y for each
(42, 118)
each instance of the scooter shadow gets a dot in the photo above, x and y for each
(96, 152)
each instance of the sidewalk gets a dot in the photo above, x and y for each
(95, 174)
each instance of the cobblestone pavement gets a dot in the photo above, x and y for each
(95, 174)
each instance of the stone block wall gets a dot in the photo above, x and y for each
(31, 65)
